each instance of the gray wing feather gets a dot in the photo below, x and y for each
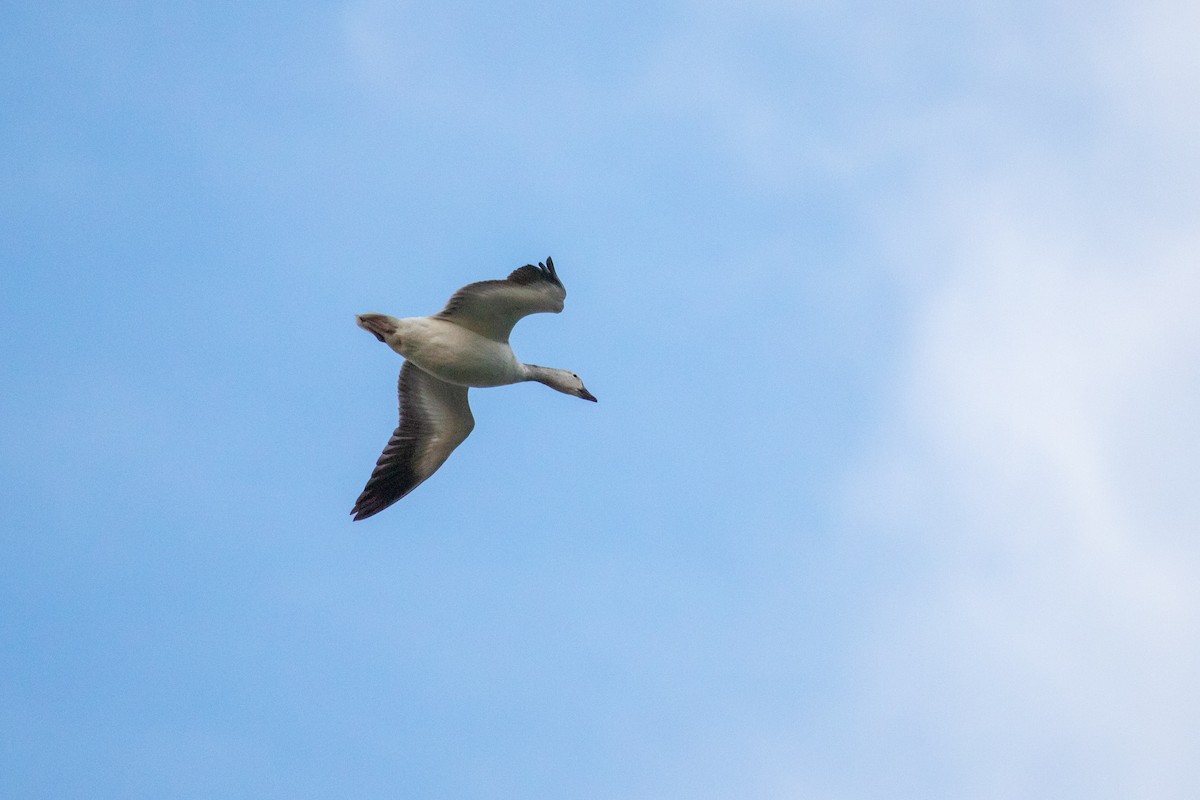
(492, 308)
(435, 418)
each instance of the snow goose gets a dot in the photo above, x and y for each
(463, 346)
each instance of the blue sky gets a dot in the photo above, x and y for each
(891, 312)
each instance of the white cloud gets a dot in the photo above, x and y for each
(1043, 422)
(1040, 460)
(1038, 423)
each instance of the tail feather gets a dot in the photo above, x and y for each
(380, 326)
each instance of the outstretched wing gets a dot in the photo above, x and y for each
(434, 419)
(492, 308)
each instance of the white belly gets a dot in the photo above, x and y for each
(457, 355)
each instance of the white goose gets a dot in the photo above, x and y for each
(465, 345)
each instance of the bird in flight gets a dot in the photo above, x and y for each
(464, 345)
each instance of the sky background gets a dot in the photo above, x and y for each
(891, 310)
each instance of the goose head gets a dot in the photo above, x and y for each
(561, 380)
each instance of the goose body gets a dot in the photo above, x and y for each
(463, 346)
(455, 354)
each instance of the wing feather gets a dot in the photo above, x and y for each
(435, 418)
(492, 308)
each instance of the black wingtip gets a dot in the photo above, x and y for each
(544, 270)
(363, 510)
(549, 271)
